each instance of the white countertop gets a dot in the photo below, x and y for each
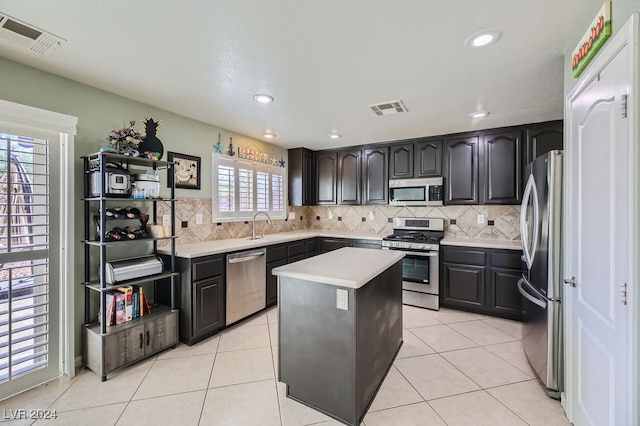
(346, 267)
(235, 244)
(486, 243)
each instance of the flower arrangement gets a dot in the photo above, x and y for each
(125, 137)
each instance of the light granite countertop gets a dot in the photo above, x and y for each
(346, 267)
(236, 244)
(485, 243)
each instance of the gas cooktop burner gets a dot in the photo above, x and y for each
(414, 236)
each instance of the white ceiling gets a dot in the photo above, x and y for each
(324, 61)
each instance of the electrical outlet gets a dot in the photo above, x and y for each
(166, 220)
(198, 218)
(342, 299)
(330, 214)
(480, 218)
(372, 215)
(292, 215)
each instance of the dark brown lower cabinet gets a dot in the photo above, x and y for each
(481, 280)
(200, 296)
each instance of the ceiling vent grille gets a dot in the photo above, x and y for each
(17, 33)
(388, 108)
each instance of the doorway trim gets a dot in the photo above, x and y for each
(65, 126)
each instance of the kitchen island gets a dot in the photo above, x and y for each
(340, 328)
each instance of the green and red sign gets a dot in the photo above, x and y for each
(593, 39)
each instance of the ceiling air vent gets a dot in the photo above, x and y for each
(17, 33)
(388, 108)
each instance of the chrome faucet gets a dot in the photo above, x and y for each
(253, 224)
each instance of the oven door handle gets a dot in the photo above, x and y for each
(433, 253)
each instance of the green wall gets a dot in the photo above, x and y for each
(98, 113)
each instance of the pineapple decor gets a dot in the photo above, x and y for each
(151, 146)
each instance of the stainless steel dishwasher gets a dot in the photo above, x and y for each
(246, 283)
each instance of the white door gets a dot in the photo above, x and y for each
(599, 252)
(29, 258)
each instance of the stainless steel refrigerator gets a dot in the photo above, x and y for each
(540, 231)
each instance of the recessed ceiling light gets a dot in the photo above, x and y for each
(479, 114)
(269, 135)
(263, 99)
(334, 136)
(482, 38)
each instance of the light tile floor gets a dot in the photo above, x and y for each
(454, 368)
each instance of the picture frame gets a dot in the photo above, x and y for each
(186, 170)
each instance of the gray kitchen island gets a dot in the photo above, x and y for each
(340, 328)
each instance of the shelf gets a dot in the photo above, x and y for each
(126, 198)
(95, 284)
(110, 243)
(156, 312)
(128, 160)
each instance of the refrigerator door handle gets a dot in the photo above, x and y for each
(535, 300)
(529, 247)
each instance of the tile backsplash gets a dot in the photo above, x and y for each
(500, 222)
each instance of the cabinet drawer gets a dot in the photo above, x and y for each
(207, 268)
(506, 260)
(275, 253)
(295, 249)
(465, 257)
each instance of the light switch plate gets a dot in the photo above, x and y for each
(372, 215)
(166, 220)
(292, 215)
(342, 299)
(198, 219)
(481, 218)
(330, 214)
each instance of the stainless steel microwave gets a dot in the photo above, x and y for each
(416, 192)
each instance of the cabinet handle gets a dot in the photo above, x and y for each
(141, 341)
(148, 338)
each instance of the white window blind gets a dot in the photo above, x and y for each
(24, 255)
(241, 188)
(224, 188)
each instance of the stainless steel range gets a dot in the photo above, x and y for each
(419, 239)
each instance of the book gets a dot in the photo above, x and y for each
(120, 303)
(136, 304)
(110, 309)
(128, 292)
(141, 300)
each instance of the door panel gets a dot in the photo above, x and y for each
(599, 212)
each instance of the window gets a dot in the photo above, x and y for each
(241, 188)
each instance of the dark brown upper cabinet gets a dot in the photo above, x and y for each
(461, 171)
(542, 138)
(326, 175)
(350, 177)
(301, 177)
(375, 176)
(501, 167)
(402, 161)
(428, 158)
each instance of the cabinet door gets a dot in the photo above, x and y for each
(376, 176)
(326, 174)
(208, 305)
(428, 159)
(501, 168)
(463, 286)
(461, 170)
(542, 138)
(504, 298)
(160, 333)
(349, 177)
(272, 282)
(123, 347)
(308, 178)
(401, 161)
(301, 177)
